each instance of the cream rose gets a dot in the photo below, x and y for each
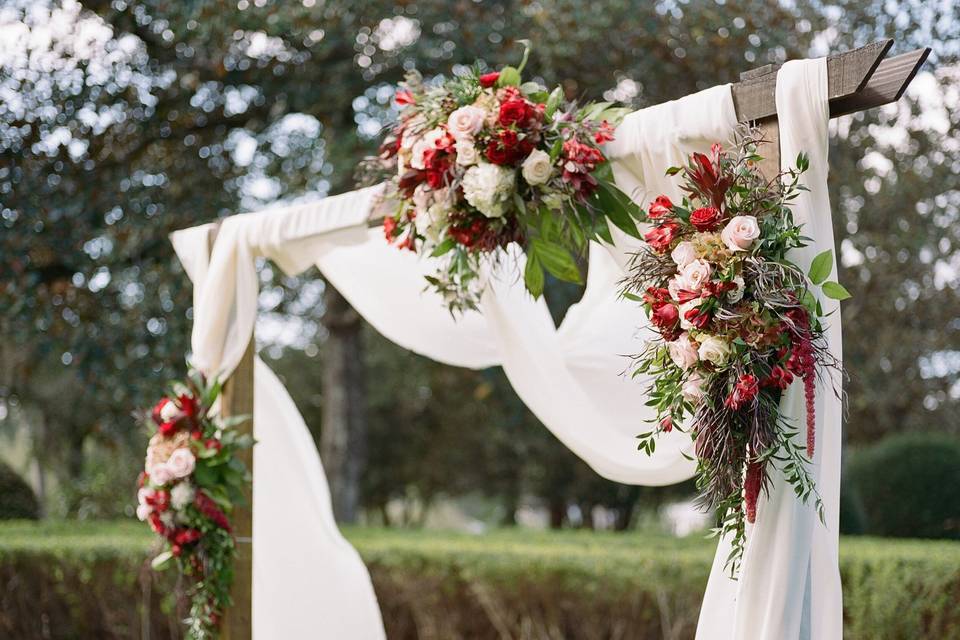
(467, 153)
(695, 274)
(181, 463)
(715, 350)
(465, 122)
(740, 233)
(537, 168)
(692, 389)
(161, 474)
(683, 351)
(684, 253)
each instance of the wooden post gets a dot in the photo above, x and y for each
(236, 399)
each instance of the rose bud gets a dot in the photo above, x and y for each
(660, 208)
(487, 80)
(666, 425)
(705, 218)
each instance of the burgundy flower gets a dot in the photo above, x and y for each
(705, 218)
(487, 80)
(751, 490)
(659, 238)
(666, 317)
(517, 111)
(666, 425)
(697, 317)
(743, 392)
(779, 377)
(660, 208)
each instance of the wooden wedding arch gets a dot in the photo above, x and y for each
(858, 80)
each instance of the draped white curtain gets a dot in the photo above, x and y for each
(308, 582)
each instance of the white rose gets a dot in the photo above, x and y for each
(740, 233)
(181, 463)
(683, 351)
(715, 350)
(692, 389)
(465, 122)
(160, 474)
(181, 495)
(487, 186)
(143, 512)
(467, 153)
(144, 493)
(537, 168)
(695, 274)
(735, 295)
(421, 198)
(684, 253)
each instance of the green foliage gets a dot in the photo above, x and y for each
(17, 500)
(87, 579)
(909, 486)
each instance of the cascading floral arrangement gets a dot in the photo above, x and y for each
(187, 492)
(482, 160)
(737, 323)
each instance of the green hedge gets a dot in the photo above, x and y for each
(17, 499)
(66, 581)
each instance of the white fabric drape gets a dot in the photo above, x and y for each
(789, 585)
(569, 376)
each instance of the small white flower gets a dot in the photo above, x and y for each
(143, 512)
(487, 187)
(467, 153)
(537, 168)
(715, 350)
(736, 295)
(181, 495)
(181, 463)
(684, 253)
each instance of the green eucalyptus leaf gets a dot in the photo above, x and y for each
(533, 276)
(556, 259)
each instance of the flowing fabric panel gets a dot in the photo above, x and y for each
(789, 587)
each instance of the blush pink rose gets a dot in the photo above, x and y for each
(466, 121)
(740, 233)
(684, 253)
(683, 351)
(181, 463)
(692, 389)
(161, 473)
(695, 274)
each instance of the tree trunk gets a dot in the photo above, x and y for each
(558, 512)
(344, 430)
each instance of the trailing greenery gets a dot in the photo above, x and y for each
(908, 486)
(89, 580)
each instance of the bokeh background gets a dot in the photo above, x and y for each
(123, 120)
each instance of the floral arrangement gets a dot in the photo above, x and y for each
(737, 323)
(481, 160)
(191, 481)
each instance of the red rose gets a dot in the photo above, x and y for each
(660, 208)
(666, 317)
(187, 536)
(659, 238)
(743, 392)
(505, 148)
(196, 434)
(517, 112)
(487, 80)
(705, 218)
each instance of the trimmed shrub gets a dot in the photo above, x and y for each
(17, 499)
(908, 486)
(66, 581)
